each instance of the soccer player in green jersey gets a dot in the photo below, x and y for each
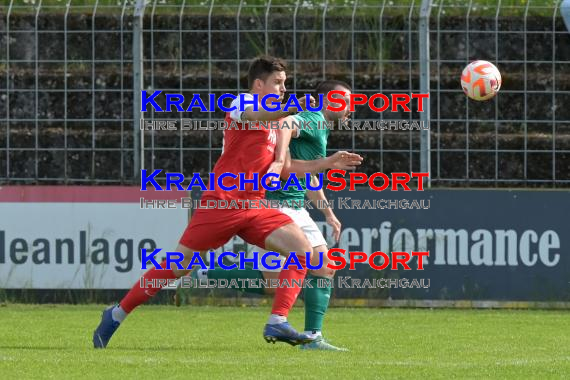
(309, 134)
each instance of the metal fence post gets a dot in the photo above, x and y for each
(425, 149)
(565, 12)
(138, 137)
(36, 100)
(8, 115)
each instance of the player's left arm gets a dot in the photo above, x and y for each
(319, 195)
(284, 136)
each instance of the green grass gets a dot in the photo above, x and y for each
(207, 342)
(306, 7)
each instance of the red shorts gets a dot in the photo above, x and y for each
(212, 228)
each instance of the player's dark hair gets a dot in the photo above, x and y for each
(262, 67)
(329, 85)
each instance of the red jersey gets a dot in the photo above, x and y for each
(245, 151)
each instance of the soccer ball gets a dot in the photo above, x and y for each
(480, 80)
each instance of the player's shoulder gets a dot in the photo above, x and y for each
(241, 97)
(238, 109)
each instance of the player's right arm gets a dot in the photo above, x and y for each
(262, 115)
(281, 152)
(288, 131)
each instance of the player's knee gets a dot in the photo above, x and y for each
(324, 270)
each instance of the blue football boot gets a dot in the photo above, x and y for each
(284, 332)
(106, 329)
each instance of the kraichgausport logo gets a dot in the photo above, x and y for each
(177, 102)
(335, 183)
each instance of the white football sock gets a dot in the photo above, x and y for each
(202, 274)
(275, 319)
(118, 314)
(313, 333)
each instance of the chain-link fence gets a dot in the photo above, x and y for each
(71, 71)
(520, 138)
(65, 92)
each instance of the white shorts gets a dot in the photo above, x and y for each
(301, 218)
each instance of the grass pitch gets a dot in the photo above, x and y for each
(225, 342)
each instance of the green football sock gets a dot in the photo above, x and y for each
(316, 302)
(237, 274)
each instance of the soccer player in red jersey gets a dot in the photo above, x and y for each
(306, 144)
(253, 152)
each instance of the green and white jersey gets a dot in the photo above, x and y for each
(310, 145)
